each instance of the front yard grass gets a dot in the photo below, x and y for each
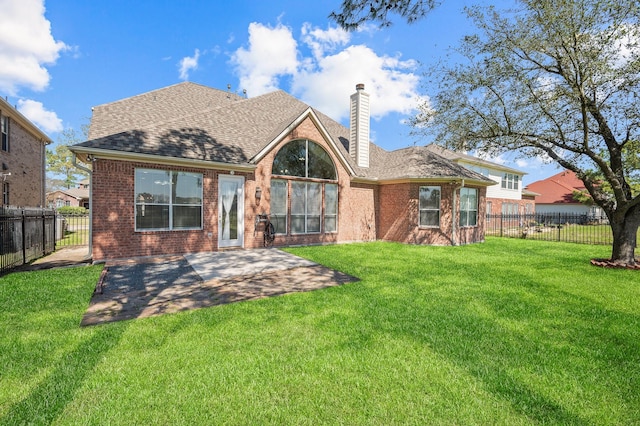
(507, 332)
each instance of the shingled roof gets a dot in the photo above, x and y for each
(194, 122)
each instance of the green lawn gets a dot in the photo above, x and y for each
(508, 332)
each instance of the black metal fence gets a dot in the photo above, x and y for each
(72, 229)
(572, 228)
(25, 235)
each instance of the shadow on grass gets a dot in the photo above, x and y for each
(49, 399)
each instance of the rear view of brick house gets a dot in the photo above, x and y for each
(188, 168)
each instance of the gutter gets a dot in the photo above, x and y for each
(88, 170)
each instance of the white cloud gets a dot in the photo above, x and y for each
(48, 121)
(272, 52)
(26, 45)
(187, 64)
(327, 77)
(320, 41)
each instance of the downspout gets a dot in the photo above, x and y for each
(88, 170)
(453, 212)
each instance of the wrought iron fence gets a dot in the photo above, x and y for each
(72, 229)
(572, 228)
(25, 235)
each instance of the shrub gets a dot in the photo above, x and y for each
(71, 210)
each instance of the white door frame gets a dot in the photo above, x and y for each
(239, 240)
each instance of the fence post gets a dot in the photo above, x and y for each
(24, 238)
(501, 227)
(559, 225)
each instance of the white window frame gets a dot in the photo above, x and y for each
(324, 207)
(171, 204)
(282, 211)
(467, 209)
(429, 209)
(510, 181)
(4, 133)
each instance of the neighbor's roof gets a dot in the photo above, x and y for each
(193, 122)
(557, 189)
(78, 193)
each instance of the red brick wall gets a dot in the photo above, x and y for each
(399, 216)
(114, 234)
(496, 205)
(365, 212)
(25, 162)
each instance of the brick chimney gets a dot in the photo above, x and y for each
(359, 127)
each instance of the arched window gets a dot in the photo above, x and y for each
(303, 158)
(301, 206)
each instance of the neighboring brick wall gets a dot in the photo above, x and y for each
(496, 205)
(25, 161)
(52, 199)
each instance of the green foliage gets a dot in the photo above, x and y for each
(509, 332)
(557, 80)
(354, 13)
(60, 162)
(71, 210)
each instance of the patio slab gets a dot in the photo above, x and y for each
(147, 287)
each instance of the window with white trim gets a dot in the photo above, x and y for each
(313, 205)
(510, 181)
(468, 207)
(168, 200)
(330, 207)
(4, 132)
(429, 206)
(279, 193)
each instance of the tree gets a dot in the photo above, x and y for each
(60, 161)
(354, 13)
(555, 79)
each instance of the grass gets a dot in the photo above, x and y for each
(507, 332)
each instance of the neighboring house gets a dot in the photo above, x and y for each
(22, 159)
(74, 197)
(556, 195)
(508, 197)
(188, 168)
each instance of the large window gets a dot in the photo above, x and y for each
(279, 205)
(4, 132)
(306, 207)
(313, 205)
(330, 207)
(168, 200)
(303, 158)
(430, 206)
(468, 207)
(510, 181)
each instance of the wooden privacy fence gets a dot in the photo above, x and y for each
(25, 235)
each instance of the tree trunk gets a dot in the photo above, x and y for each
(624, 240)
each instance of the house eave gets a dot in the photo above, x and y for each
(439, 180)
(85, 153)
(16, 115)
(307, 113)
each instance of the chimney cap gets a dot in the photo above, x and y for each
(360, 86)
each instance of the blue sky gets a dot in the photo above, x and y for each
(66, 56)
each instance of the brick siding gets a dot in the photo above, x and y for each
(25, 162)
